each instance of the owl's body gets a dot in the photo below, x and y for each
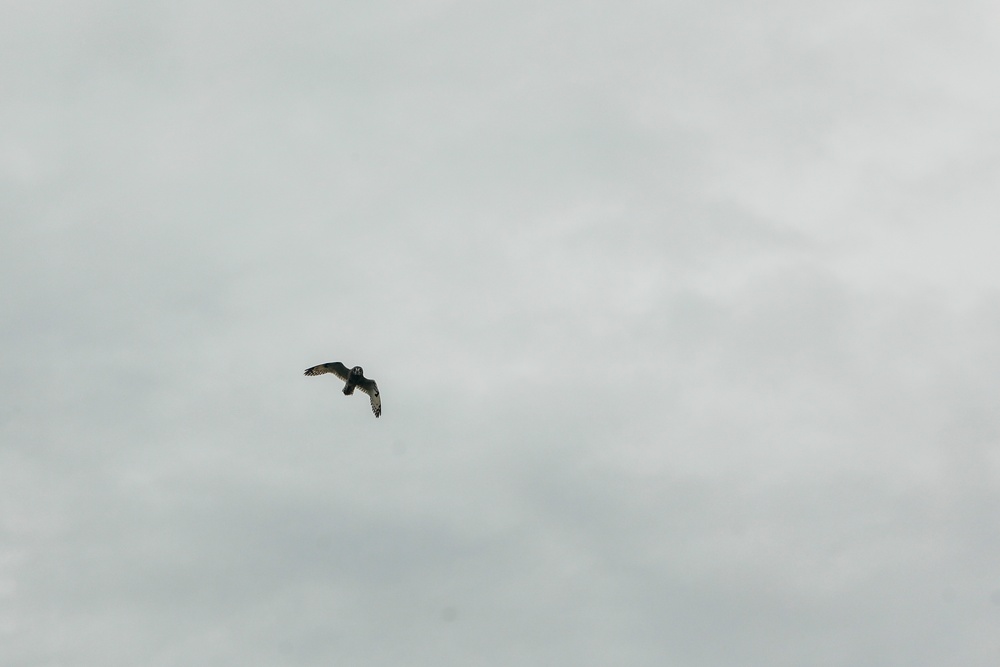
(354, 378)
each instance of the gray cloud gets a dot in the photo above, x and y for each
(684, 319)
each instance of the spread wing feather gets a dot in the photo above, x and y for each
(335, 367)
(370, 388)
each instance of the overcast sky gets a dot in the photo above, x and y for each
(686, 318)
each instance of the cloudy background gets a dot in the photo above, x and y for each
(686, 317)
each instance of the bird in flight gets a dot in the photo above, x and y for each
(354, 378)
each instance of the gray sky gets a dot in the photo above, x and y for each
(686, 318)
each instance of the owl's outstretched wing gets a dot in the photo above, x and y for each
(370, 388)
(335, 367)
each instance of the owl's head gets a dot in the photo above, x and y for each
(357, 370)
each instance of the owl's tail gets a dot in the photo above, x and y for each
(348, 390)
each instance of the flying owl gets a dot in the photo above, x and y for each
(353, 377)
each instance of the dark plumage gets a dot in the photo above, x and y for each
(353, 378)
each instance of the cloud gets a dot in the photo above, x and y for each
(683, 317)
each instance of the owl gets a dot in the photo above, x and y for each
(353, 378)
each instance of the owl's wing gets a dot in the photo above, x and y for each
(370, 388)
(335, 367)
